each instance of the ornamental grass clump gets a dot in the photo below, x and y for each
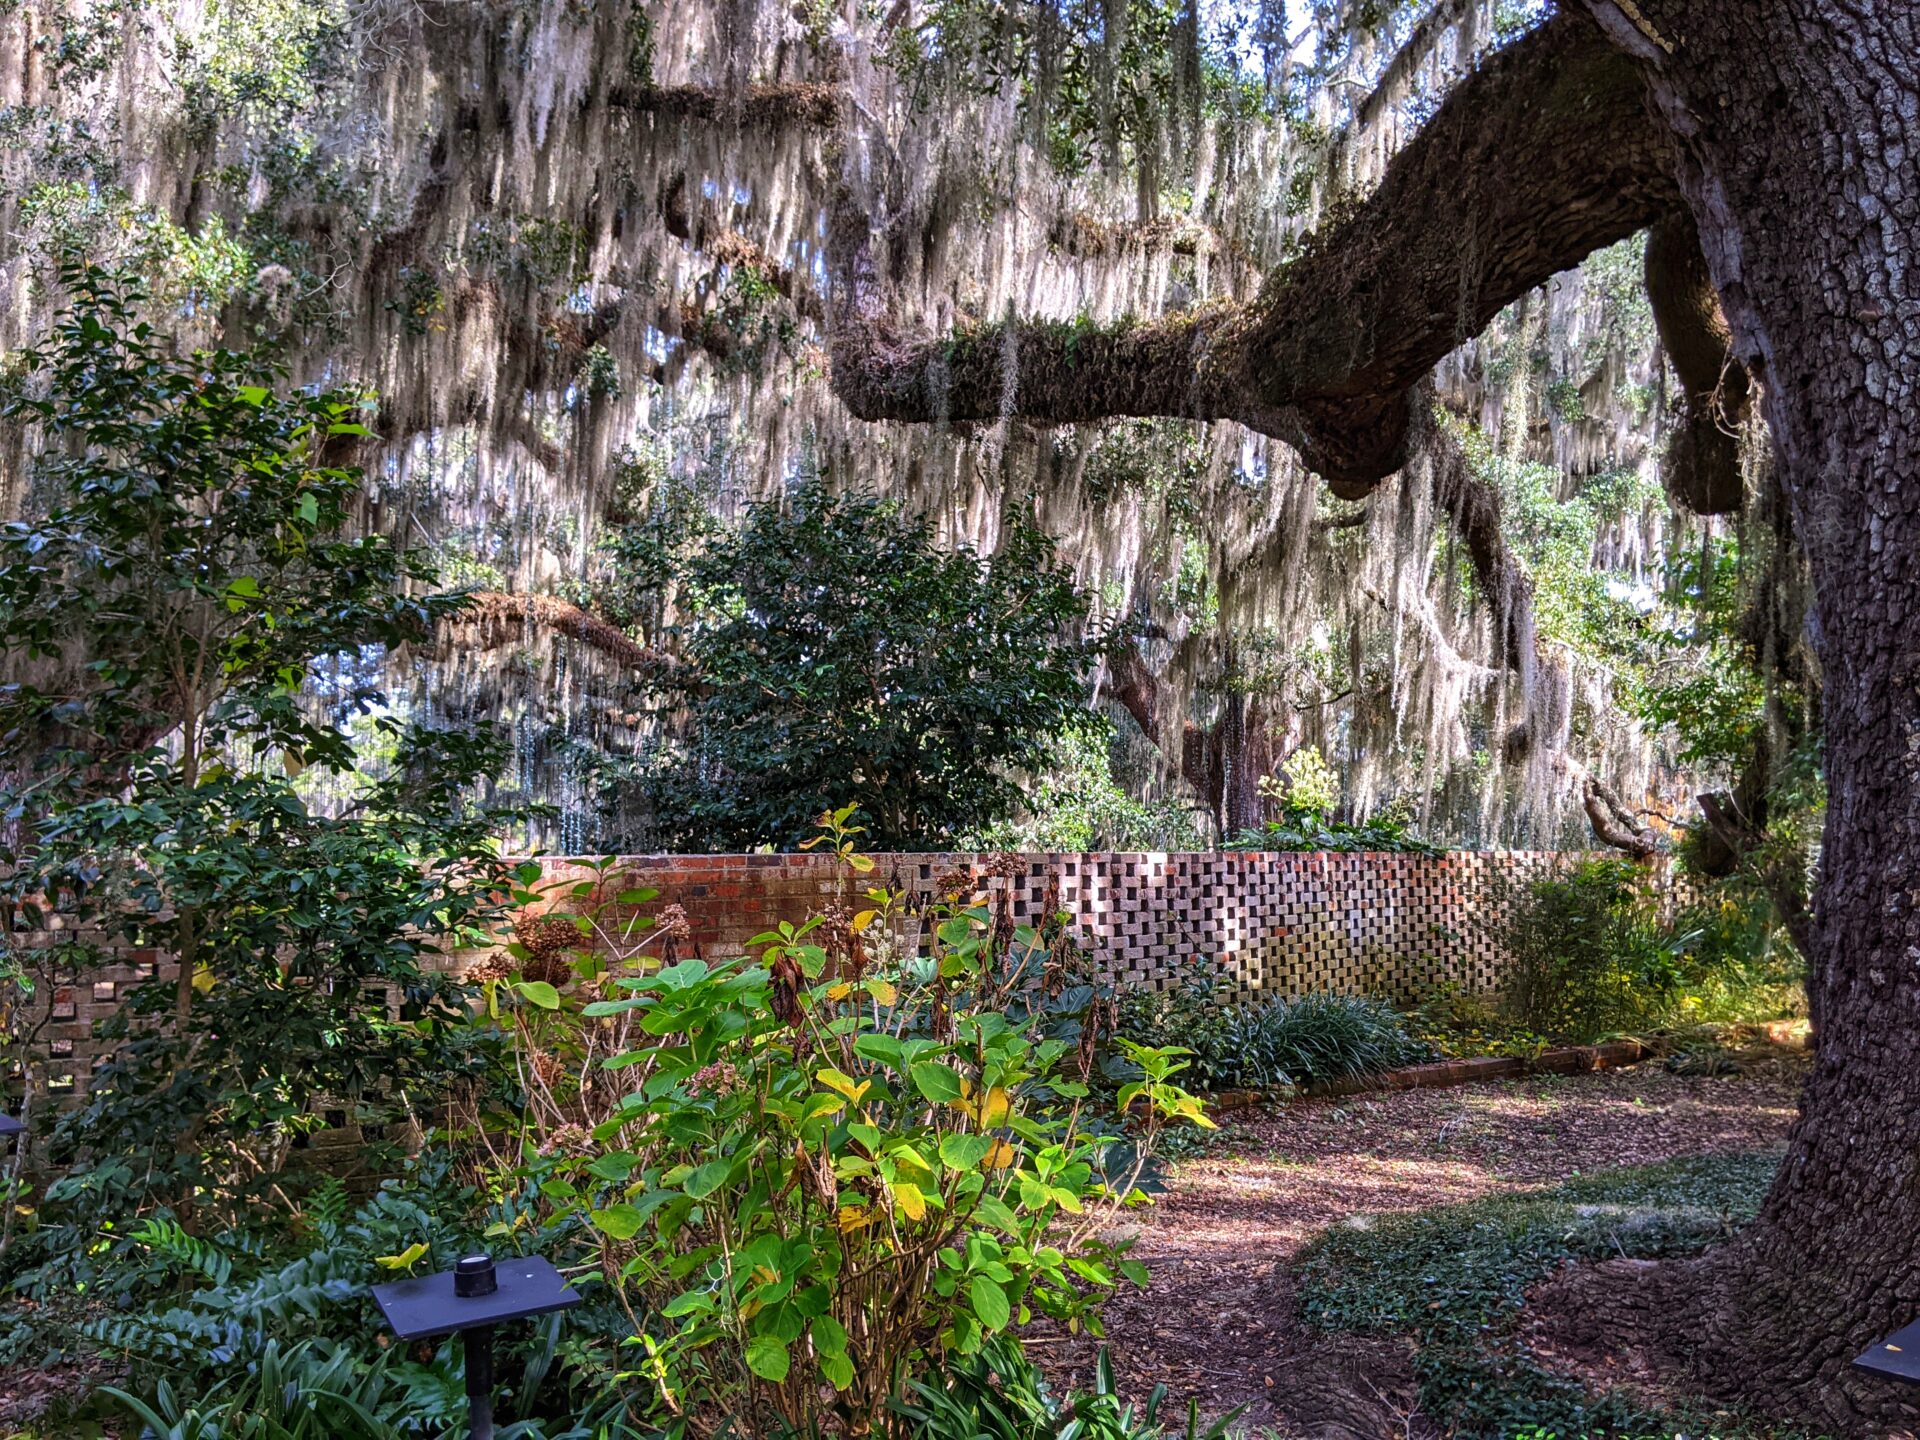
(821, 1170)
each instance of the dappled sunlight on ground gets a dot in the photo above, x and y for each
(1219, 1316)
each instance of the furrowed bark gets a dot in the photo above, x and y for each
(1799, 128)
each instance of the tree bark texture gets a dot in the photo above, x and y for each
(1797, 144)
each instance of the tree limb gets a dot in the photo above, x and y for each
(496, 620)
(1541, 156)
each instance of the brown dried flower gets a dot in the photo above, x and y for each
(497, 966)
(569, 1140)
(955, 883)
(719, 1078)
(547, 935)
(787, 982)
(1005, 866)
(673, 920)
(547, 1067)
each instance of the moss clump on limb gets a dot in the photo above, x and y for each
(1544, 154)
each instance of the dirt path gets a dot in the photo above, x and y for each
(1217, 1323)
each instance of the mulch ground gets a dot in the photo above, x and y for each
(1218, 1323)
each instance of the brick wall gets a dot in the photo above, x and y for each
(1265, 923)
(1268, 923)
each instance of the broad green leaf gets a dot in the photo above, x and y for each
(936, 1081)
(964, 1152)
(989, 1303)
(538, 992)
(767, 1358)
(838, 1369)
(708, 1178)
(618, 1222)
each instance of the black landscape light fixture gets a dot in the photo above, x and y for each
(1895, 1358)
(472, 1298)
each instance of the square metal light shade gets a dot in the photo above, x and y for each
(1897, 1357)
(427, 1306)
(10, 1126)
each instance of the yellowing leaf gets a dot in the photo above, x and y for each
(839, 992)
(405, 1260)
(1000, 1156)
(203, 978)
(853, 1217)
(882, 991)
(995, 1106)
(844, 1084)
(862, 921)
(910, 1201)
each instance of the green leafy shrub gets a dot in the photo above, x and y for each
(1587, 953)
(1313, 1038)
(1075, 804)
(1304, 831)
(1320, 1037)
(815, 1175)
(1191, 1015)
(181, 570)
(834, 650)
(1454, 1021)
(213, 1314)
(999, 1394)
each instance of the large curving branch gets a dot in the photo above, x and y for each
(1542, 155)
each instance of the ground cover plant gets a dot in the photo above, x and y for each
(1454, 1280)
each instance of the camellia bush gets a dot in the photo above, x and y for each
(820, 1172)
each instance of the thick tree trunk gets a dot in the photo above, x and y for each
(1798, 125)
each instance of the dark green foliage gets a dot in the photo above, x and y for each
(216, 1317)
(997, 1393)
(1321, 1036)
(840, 656)
(1305, 831)
(1191, 1016)
(1588, 952)
(163, 609)
(1453, 1279)
(1311, 1039)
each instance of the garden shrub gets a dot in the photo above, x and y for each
(1311, 1039)
(1192, 1015)
(834, 651)
(1321, 1037)
(816, 1175)
(1587, 953)
(1311, 832)
(999, 1394)
(180, 572)
(212, 1316)
(1307, 791)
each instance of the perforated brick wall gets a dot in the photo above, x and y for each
(1261, 923)
(1264, 922)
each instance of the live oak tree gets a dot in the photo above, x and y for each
(1767, 146)
(1775, 147)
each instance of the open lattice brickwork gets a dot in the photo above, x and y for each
(1261, 923)
(1264, 923)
